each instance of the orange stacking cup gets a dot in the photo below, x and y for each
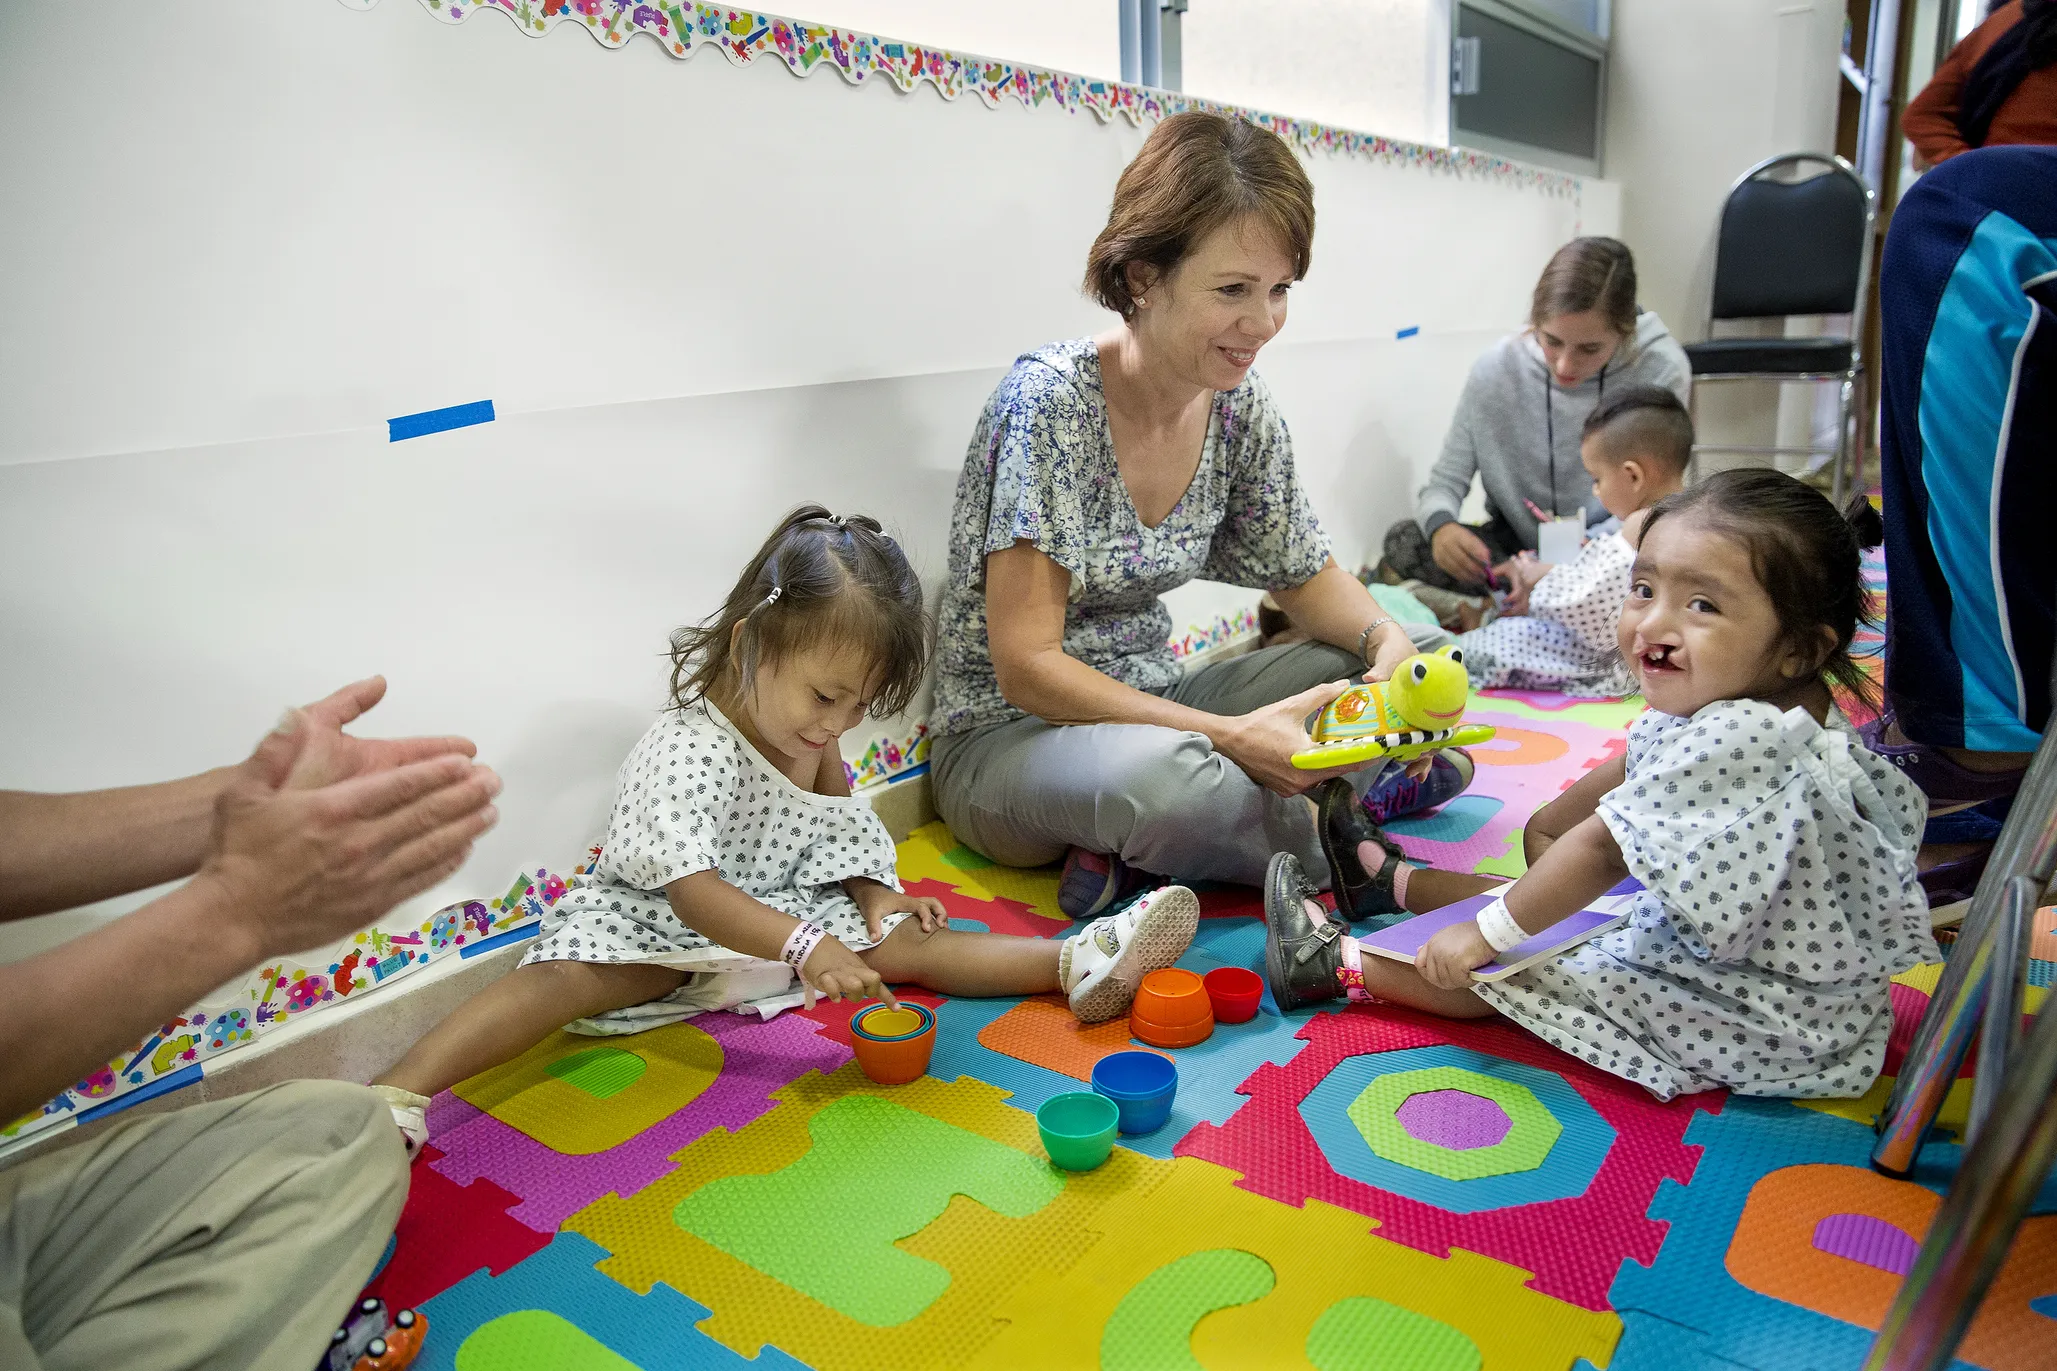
(1171, 1010)
(893, 1045)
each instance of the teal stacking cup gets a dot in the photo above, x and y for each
(1078, 1128)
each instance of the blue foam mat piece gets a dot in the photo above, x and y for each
(1649, 1343)
(1568, 1170)
(1452, 823)
(656, 1331)
(1689, 1284)
(1208, 1074)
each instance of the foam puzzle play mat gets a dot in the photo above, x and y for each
(1342, 1189)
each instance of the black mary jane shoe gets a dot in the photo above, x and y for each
(1302, 957)
(1360, 894)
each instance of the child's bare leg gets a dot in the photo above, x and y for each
(1422, 888)
(1428, 888)
(954, 962)
(518, 1011)
(1402, 984)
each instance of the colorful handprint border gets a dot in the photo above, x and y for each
(743, 36)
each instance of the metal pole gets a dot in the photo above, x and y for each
(1999, 1175)
(1151, 23)
(2000, 1035)
(1131, 40)
(2027, 845)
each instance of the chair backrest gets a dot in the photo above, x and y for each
(1792, 247)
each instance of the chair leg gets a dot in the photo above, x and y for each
(1693, 418)
(1843, 444)
(1997, 1178)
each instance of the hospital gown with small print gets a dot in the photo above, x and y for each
(1777, 856)
(693, 796)
(1566, 640)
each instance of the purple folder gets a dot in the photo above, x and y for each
(1403, 941)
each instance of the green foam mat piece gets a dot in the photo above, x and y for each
(878, 1172)
(1365, 1334)
(1152, 1328)
(537, 1340)
(1534, 1129)
(599, 1071)
(964, 859)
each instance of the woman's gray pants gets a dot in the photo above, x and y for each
(1163, 799)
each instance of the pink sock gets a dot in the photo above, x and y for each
(1401, 870)
(1351, 974)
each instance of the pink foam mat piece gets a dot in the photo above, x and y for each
(1572, 1246)
(1522, 786)
(1455, 1119)
(758, 1057)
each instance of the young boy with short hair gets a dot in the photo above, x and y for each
(1557, 631)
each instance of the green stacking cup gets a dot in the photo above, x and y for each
(1078, 1128)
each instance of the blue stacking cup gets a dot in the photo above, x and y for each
(1142, 1086)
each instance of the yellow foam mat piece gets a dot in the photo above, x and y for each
(1320, 1255)
(1922, 978)
(985, 1253)
(1956, 1110)
(679, 1062)
(924, 857)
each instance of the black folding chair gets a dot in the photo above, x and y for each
(1791, 247)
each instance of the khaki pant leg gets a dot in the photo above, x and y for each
(230, 1235)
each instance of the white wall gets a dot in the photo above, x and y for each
(1697, 94)
(1377, 65)
(249, 233)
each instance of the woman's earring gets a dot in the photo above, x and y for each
(1141, 303)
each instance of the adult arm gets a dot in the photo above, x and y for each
(1449, 480)
(1457, 550)
(63, 851)
(295, 857)
(1335, 607)
(1930, 121)
(1025, 599)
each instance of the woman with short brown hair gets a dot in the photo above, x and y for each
(1108, 470)
(1518, 421)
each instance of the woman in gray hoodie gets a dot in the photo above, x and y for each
(1518, 421)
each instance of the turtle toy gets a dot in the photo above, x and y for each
(1420, 710)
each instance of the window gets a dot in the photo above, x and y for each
(1528, 79)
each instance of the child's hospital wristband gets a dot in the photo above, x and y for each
(1496, 924)
(803, 941)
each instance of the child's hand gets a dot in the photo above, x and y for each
(1453, 954)
(876, 901)
(837, 973)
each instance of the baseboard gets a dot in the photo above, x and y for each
(904, 805)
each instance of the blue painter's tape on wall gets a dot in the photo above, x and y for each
(512, 935)
(1403, 333)
(436, 420)
(163, 1085)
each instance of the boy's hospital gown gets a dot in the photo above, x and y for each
(1778, 856)
(1566, 640)
(694, 795)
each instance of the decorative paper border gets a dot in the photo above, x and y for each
(1223, 631)
(888, 759)
(287, 989)
(745, 35)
